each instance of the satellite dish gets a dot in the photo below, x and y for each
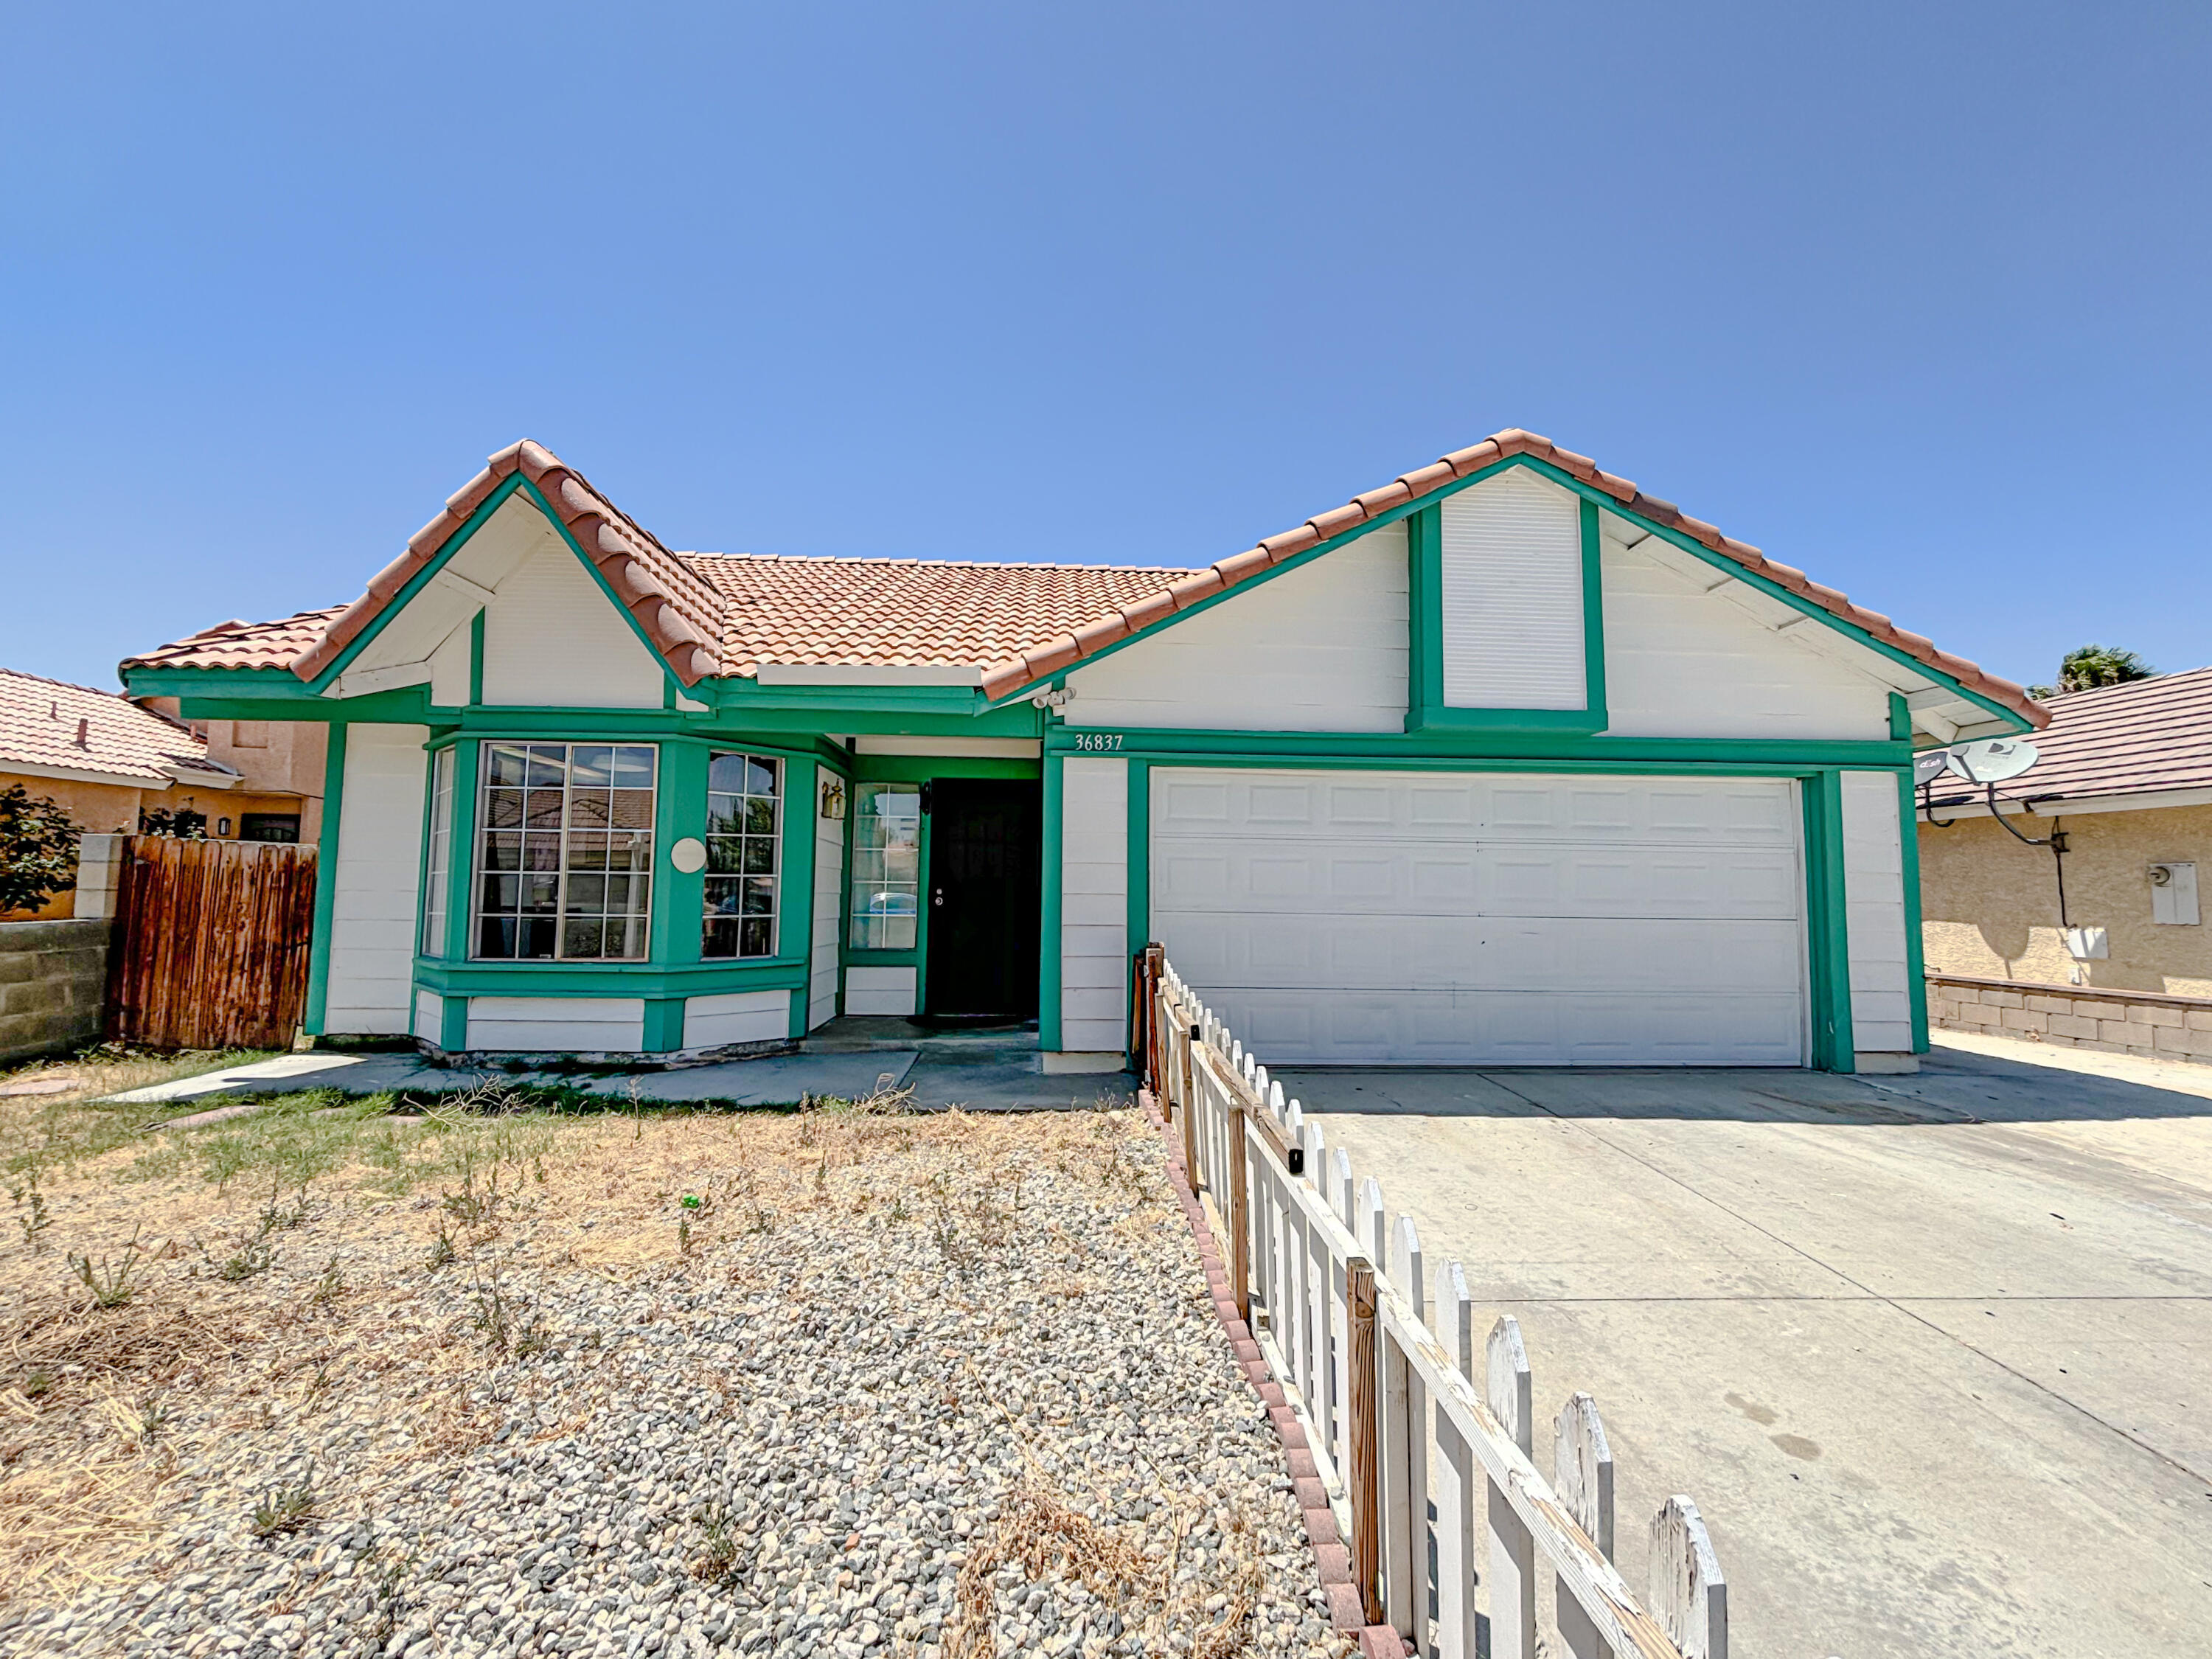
(1928, 766)
(1992, 760)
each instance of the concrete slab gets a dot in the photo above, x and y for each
(1933, 1353)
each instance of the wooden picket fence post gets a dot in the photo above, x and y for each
(1397, 1399)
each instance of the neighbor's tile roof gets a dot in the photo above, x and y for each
(49, 723)
(884, 612)
(2132, 739)
(244, 645)
(712, 614)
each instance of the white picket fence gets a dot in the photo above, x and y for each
(1406, 1419)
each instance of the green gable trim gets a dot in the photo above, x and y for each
(922, 769)
(475, 657)
(1900, 719)
(326, 883)
(1424, 642)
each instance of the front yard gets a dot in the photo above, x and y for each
(484, 1377)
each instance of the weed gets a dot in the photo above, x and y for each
(30, 1207)
(108, 1281)
(37, 1381)
(385, 1568)
(285, 1509)
(254, 1256)
(717, 1560)
(329, 1287)
(441, 1248)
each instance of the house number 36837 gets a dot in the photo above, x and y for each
(1098, 740)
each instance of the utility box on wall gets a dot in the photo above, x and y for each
(2174, 895)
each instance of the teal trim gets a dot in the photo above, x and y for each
(1900, 719)
(1574, 722)
(1490, 751)
(911, 958)
(664, 1024)
(679, 900)
(845, 952)
(649, 980)
(404, 705)
(794, 897)
(921, 906)
(1916, 967)
(1593, 614)
(1424, 567)
(460, 859)
(1049, 932)
(422, 858)
(326, 883)
(453, 1025)
(1427, 711)
(920, 768)
(475, 657)
(1827, 937)
(273, 683)
(1138, 864)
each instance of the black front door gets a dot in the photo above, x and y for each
(983, 898)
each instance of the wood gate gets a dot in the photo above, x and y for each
(210, 943)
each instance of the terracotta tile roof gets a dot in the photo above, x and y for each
(2130, 740)
(1051, 654)
(711, 613)
(74, 728)
(244, 645)
(886, 611)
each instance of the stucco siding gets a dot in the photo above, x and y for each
(1990, 906)
(1319, 648)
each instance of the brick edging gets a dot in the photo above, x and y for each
(1331, 1558)
(2072, 992)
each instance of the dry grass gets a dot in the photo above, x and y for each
(317, 1252)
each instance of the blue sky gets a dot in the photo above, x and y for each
(1912, 297)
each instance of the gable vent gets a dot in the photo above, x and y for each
(1512, 596)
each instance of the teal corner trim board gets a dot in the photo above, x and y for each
(326, 882)
(1916, 967)
(1049, 944)
(1139, 861)
(1827, 937)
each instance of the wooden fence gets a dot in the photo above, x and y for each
(1425, 1443)
(210, 943)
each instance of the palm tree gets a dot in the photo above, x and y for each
(2091, 667)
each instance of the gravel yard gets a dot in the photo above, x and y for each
(848, 1381)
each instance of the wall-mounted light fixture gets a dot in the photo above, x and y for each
(833, 798)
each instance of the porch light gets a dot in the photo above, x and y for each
(833, 798)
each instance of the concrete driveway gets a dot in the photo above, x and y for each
(1933, 1354)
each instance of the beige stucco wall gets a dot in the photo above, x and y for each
(1990, 906)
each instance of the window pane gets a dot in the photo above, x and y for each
(505, 763)
(542, 809)
(503, 808)
(726, 853)
(754, 938)
(502, 852)
(725, 815)
(589, 808)
(547, 763)
(633, 809)
(495, 936)
(725, 774)
(760, 896)
(587, 851)
(719, 938)
(581, 938)
(760, 855)
(535, 935)
(626, 936)
(630, 851)
(760, 776)
(591, 765)
(541, 893)
(541, 852)
(633, 767)
(587, 894)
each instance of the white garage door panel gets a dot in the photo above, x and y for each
(1497, 919)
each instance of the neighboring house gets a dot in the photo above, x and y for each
(1504, 762)
(2125, 774)
(106, 759)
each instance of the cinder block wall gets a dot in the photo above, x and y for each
(2075, 1016)
(53, 983)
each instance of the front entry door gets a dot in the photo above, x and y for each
(983, 900)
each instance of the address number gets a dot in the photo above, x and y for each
(1098, 740)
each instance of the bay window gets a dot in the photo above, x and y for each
(745, 803)
(564, 852)
(435, 885)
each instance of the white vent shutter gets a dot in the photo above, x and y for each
(1512, 596)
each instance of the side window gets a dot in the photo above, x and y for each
(436, 886)
(886, 882)
(745, 819)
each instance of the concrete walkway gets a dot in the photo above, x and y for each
(982, 1078)
(1932, 1354)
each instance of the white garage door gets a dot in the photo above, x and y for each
(1352, 918)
